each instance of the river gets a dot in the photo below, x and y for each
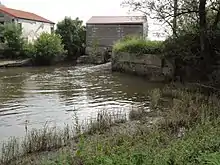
(54, 94)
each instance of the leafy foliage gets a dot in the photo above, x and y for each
(46, 48)
(193, 25)
(14, 41)
(73, 36)
(28, 49)
(137, 45)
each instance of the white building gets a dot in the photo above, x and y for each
(32, 25)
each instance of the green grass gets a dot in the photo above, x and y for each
(51, 139)
(138, 46)
(187, 134)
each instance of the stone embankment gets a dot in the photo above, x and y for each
(151, 66)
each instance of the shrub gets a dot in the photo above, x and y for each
(14, 41)
(137, 45)
(47, 48)
(28, 50)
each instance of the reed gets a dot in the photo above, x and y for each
(53, 138)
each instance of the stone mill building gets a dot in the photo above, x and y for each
(103, 31)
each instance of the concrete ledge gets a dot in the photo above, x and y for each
(147, 65)
(15, 63)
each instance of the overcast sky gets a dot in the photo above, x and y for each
(56, 10)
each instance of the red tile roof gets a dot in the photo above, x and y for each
(116, 20)
(23, 14)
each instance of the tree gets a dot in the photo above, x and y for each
(175, 8)
(73, 36)
(203, 30)
(193, 45)
(167, 12)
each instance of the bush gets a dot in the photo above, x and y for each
(138, 45)
(47, 48)
(14, 41)
(28, 50)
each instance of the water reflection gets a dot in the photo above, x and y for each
(11, 92)
(54, 94)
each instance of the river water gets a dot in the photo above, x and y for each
(54, 94)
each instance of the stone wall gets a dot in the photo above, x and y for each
(147, 65)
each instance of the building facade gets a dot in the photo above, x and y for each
(105, 30)
(32, 25)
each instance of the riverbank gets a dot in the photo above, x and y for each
(181, 127)
(15, 63)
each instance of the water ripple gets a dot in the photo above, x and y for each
(38, 95)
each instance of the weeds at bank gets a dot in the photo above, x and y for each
(50, 139)
(189, 133)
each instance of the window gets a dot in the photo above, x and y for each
(2, 15)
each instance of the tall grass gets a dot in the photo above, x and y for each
(187, 133)
(184, 108)
(138, 45)
(193, 113)
(49, 139)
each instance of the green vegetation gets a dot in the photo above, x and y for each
(43, 51)
(73, 35)
(193, 42)
(69, 36)
(183, 128)
(50, 139)
(14, 42)
(138, 45)
(46, 48)
(187, 133)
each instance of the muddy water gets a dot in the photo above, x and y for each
(54, 94)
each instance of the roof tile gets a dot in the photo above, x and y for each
(23, 14)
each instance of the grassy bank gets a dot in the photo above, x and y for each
(183, 127)
(17, 151)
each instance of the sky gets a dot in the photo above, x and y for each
(56, 10)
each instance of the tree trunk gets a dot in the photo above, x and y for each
(217, 19)
(175, 18)
(203, 34)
